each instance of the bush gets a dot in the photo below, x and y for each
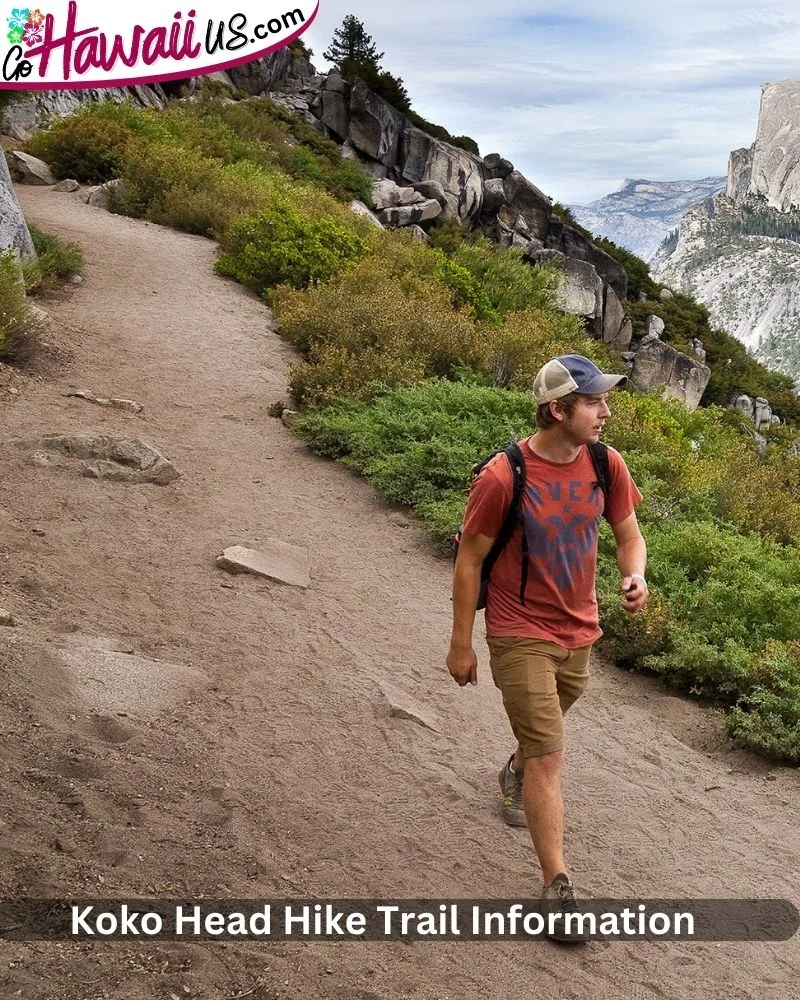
(56, 261)
(15, 323)
(502, 282)
(84, 146)
(294, 145)
(281, 246)
(370, 326)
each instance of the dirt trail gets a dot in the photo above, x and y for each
(286, 774)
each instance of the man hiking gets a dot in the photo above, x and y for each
(541, 608)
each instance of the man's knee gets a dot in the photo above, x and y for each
(546, 767)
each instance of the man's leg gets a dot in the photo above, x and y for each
(541, 790)
(544, 811)
(525, 672)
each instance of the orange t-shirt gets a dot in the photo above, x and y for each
(562, 505)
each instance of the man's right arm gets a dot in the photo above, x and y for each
(461, 659)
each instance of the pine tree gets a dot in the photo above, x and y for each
(352, 42)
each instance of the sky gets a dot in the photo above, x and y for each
(578, 95)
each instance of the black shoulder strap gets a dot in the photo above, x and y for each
(599, 455)
(514, 455)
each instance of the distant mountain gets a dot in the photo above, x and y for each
(642, 213)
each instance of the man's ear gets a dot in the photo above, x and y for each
(555, 409)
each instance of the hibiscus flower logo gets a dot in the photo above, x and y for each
(32, 34)
(35, 18)
(19, 18)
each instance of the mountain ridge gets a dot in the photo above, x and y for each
(641, 213)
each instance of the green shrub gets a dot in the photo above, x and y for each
(282, 246)
(447, 235)
(55, 263)
(84, 146)
(15, 323)
(294, 145)
(502, 282)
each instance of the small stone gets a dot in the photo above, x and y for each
(120, 404)
(278, 561)
(67, 186)
(7, 619)
(39, 531)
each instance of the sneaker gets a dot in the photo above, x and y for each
(559, 899)
(511, 787)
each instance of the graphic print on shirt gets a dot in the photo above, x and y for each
(561, 522)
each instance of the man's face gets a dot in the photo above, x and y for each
(585, 424)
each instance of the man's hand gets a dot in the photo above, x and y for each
(635, 593)
(463, 665)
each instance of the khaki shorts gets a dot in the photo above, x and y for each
(539, 681)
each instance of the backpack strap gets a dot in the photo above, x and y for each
(513, 517)
(599, 455)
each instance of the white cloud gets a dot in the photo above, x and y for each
(580, 96)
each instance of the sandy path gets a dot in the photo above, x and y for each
(286, 774)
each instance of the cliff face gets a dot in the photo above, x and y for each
(13, 230)
(776, 155)
(739, 253)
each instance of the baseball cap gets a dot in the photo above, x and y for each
(571, 373)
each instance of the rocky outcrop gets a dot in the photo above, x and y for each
(572, 243)
(459, 173)
(262, 74)
(658, 364)
(525, 209)
(332, 108)
(757, 410)
(375, 126)
(776, 154)
(740, 173)
(732, 253)
(617, 327)
(13, 230)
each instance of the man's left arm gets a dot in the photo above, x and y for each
(632, 562)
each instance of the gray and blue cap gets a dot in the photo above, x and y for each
(572, 373)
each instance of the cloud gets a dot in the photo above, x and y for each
(580, 96)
